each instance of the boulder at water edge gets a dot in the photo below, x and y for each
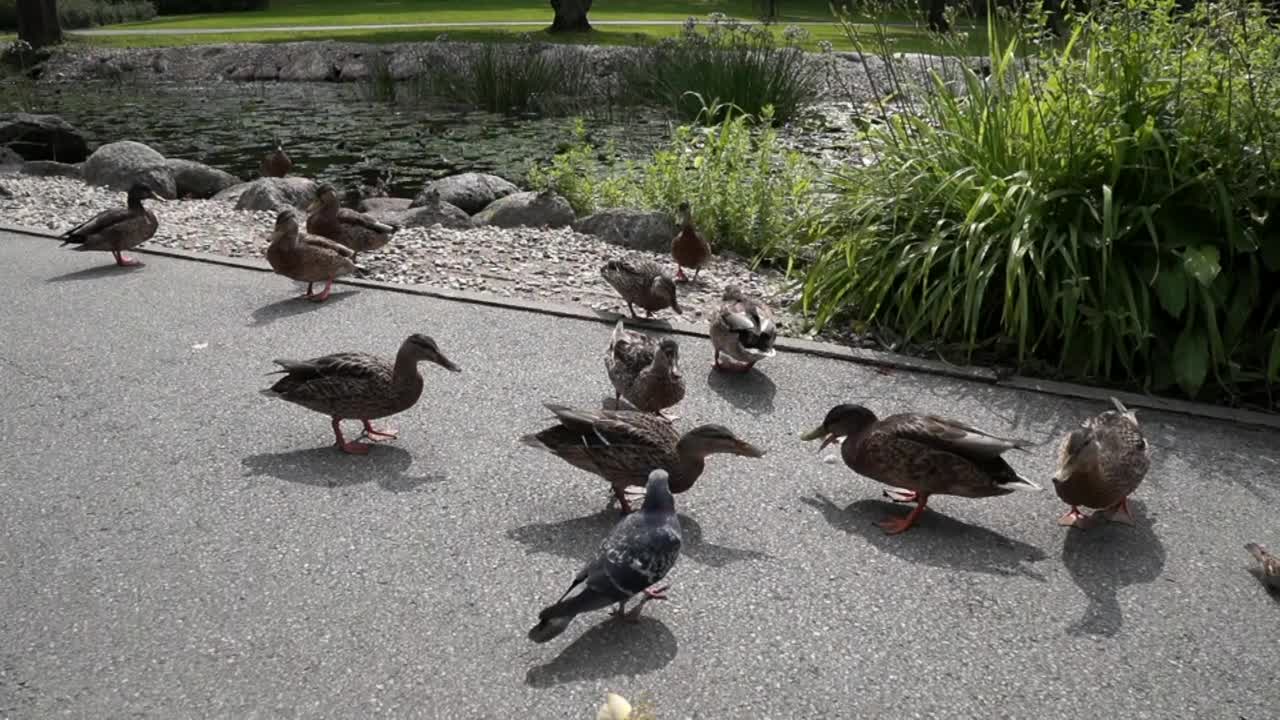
(529, 209)
(42, 137)
(470, 191)
(119, 165)
(435, 211)
(636, 229)
(274, 194)
(199, 180)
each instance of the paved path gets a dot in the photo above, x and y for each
(177, 545)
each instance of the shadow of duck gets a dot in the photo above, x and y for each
(751, 391)
(327, 467)
(1104, 559)
(294, 305)
(97, 271)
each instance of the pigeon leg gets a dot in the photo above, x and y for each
(900, 495)
(649, 594)
(1074, 518)
(1120, 513)
(375, 434)
(123, 261)
(324, 294)
(620, 611)
(354, 448)
(893, 525)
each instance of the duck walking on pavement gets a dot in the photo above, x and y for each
(688, 248)
(307, 258)
(118, 229)
(644, 370)
(1100, 464)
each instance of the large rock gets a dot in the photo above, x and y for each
(42, 137)
(635, 229)
(9, 157)
(530, 209)
(436, 211)
(470, 191)
(120, 165)
(273, 194)
(199, 180)
(52, 168)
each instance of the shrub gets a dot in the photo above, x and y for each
(738, 65)
(75, 14)
(1106, 205)
(748, 194)
(514, 79)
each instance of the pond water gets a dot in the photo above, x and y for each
(330, 131)
(334, 134)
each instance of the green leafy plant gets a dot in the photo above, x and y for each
(736, 65)
(1105, 204)
(512, 79)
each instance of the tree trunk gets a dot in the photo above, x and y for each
(38, 22)
(937, 14)
(571, 16)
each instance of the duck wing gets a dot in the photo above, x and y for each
(323, 243)
(96, 224)
(951, 435)
(351, 217)
(330, 377)
(620, 446)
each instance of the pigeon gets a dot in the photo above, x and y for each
(1268, 570)
(637, 554)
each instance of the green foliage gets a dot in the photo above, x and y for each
(74, 14)
(738, 65)
(513, 79)
(748, 194)
(1106, 204)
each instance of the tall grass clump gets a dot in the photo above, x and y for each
(511, 79)
(1104, 207)
(739, 65)
(748, 194)
(76, 14)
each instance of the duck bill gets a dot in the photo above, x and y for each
(446, 363)
(827, 438)
(746, 449)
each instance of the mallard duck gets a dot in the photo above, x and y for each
(275, 163)
(743, 329)
(921, 455)
(643, 370)
(624, 446)
(1268, 569)
(120, 229)
(1100, 464)
(688, 247)
(358, 386)
(641, 282)
(307, 258)
(326, 217)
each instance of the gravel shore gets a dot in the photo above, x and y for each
(550, 265)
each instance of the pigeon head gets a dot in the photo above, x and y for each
(657, 493)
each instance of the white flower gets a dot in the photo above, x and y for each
(615, 707)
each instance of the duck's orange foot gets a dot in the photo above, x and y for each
(680, 276)
(1075, 518)
(896, 525)
(372, 434)
(354, 448)
(902, 496)
(124, 261)
(1119, 513)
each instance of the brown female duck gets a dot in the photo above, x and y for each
(641, 282)
(326, 217)
(1100, 464)
(358, 386)
(742, 329)
(275, 163)
(921, 455)
(120, 229)
(688, 247)
(643, 370)
(623, 447)
(307, 258)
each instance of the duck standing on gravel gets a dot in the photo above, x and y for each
(275, 163)
(119, 229)
(624, 446)
(642, 282)
(689, 249)
(921, 455)
(327, 218)
(307, 258)
(1100, 464)
(644, 370)
(742, 329)
(358, 386)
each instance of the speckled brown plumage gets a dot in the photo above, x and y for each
(642, 282)
(117, 230)
(688, 248)
(643, 370)
(742, 329)
(357, 231)
(1100, 464)
(623, 447)
(304, 257)
(275, 163)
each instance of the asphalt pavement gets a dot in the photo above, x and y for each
(177, 545)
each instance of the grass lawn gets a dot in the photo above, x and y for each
(906, 39)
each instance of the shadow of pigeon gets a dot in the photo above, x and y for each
(611, 648)
(935, 540)
(328, 467)
(1106, 558)
(579, 539)
(294, 305)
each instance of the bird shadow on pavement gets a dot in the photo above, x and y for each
(611, 648)
(328, 467)
(579, 539)
(752, 391)
(1106, 558)
(935, 539)
(97, 271)
(294, 305)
